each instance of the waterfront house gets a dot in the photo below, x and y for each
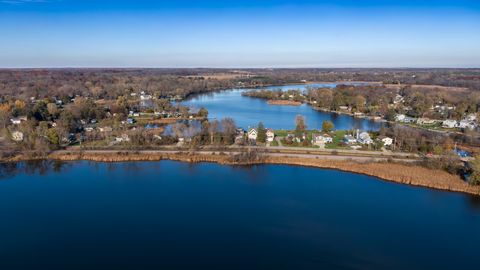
(349, 139)
(387, 141)
(364, 138)
(252, 134)
(318, 140)
(270, 135)
(449, 123)
(321, 139)
(465, 124)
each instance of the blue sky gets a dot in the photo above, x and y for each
(282, 33)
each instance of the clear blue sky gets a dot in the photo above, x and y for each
(282, 33)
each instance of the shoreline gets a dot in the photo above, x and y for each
(401, 173)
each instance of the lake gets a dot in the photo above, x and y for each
(172, 215)
(248, 111)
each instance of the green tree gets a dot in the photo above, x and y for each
(262, 133)
(327, 126)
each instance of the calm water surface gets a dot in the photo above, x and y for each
(247, 111)
(170, 215)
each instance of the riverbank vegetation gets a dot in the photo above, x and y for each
(42, 111)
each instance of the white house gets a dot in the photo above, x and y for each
(465, 124)
(364, 138)
(270, 135)
(471, 117)
(400, 117)
(123, 138)
(18, 120)
(449, 123)
(17, 136)
(318, 140)
(252, 134)
(321, 139)
(387, 141)
(349, 139)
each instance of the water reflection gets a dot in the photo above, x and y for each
(33, 167)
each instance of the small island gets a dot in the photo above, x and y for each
(284, 102)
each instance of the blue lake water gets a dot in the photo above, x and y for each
(247, 111)
(171, 215)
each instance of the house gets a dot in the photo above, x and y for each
(327, 138)
(18, 120)
(465, 124)
(364, 138)
(321, 139)
(123, 138)
(398, 99)
(318, 140)
(130, 121)
(105, 129)
(344, 108)
(89, 129)
(387, 141)
(471, 117)
(400, 117)
(17, 136)
(252, 134)
(404, 119)
(270, 135)
(449, 123)
(349, 139)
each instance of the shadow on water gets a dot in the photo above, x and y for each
(36, 167)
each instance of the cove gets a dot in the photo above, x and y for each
(248, 111)
(173, 215)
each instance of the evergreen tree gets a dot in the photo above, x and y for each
(262, 133)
